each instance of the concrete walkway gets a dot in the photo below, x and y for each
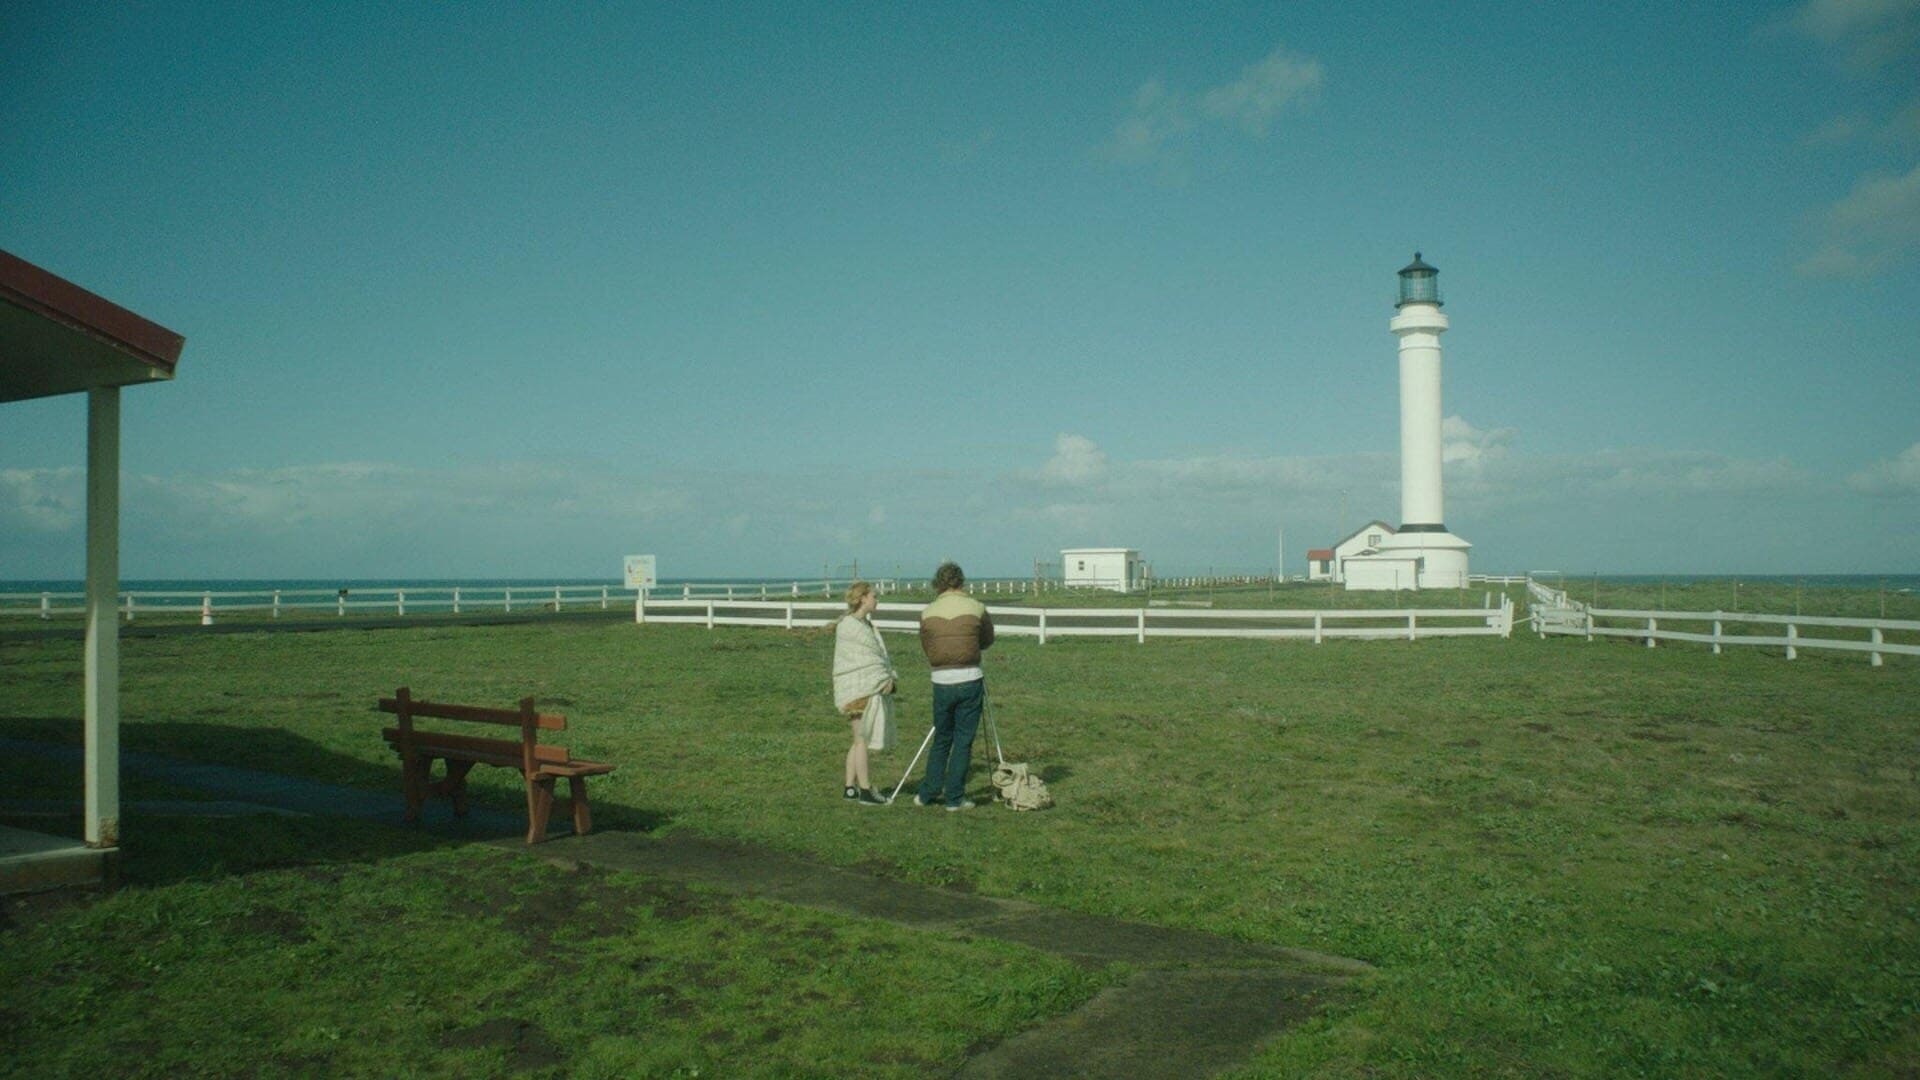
(1194, 1004)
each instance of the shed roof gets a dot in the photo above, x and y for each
(58, 338)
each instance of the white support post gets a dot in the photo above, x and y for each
(400, 601)
(709, 614)
(557, 602)
(46, 607)
(129, 607)
(686, 592)
(456, 599)
(729, 592)
(1143, 626)
(509, 600)
(796, 588)
(763, 591)
(640, 605)
(1793, 634)
(1316, 628)
(276, 603)
(1717, 633)
(1043, 626)
(1653, 627)
(603, 598)
(206, 609)
(340, 603)
(789, 616)
(101, 727)
(1877, 640)
(1412, 632)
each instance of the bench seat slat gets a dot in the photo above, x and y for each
(575, 768)
(473, 714)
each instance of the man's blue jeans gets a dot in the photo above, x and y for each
(956, 717)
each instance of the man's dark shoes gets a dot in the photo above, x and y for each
(869, 798)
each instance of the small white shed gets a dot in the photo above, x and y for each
(1363, 541)
(1118, 569)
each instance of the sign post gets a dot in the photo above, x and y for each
(640, 577)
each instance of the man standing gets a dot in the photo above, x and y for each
(954, 630)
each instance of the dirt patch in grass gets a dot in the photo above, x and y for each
(1655, 735)
(526, 1043)
(284, 926)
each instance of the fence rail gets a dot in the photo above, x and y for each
(1553, 612)
(1139, 623)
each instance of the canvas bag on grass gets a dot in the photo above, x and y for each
(877, 722)
(1019, 788)
(1014, 783)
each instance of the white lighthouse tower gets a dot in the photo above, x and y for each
(1421, 548)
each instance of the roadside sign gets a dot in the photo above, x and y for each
(640, 572)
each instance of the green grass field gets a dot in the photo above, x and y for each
(1564, 857)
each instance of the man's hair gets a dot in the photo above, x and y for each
(949, 576)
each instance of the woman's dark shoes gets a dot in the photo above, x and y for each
(870, 798)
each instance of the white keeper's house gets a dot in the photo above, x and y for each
(1119, 569)
(1345, 558)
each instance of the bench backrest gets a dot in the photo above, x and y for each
(529, 721)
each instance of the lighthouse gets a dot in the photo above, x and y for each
(1421, 553)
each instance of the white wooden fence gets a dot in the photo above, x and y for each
(1552, 611)
(1138, 623)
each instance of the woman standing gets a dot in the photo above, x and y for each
(862, 670)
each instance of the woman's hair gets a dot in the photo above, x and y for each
(949, 576)
(855, 593)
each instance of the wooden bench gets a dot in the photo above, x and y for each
(540, 764)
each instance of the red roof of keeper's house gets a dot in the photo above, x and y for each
(1320, 555)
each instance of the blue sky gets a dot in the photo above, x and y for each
(492, 290)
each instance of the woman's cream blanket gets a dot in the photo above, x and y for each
(861, 666)
(861, 669)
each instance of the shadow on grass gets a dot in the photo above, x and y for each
(343, 808)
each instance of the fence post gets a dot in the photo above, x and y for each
(206, 609)
(686, 592)
(399, 601)
(709, 614)
(129, 607)
(1793, 634)
(509, 600)
(556, 599)
(1316, 628)
(456, 599)
(603, 598)
(763, 592)
(1877, 640)
(1043, 626)
(789, 616)
(1716, 633)
(276, 603)
(1653, 626)
(729, 592)
(1143, 626)
(796, 588)
(340, 604)
(46, 606)
(1412, 635)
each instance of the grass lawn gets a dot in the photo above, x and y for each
(1565, 857)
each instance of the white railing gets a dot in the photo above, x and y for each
(1711, 629)
(1138, 623)
(398, 600)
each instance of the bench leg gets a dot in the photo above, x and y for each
(539, 808)
(582, 813)
(413, 784)
(456, 785)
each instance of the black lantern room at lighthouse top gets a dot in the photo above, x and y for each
(1419, 283)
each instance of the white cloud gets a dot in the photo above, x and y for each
(43, 500)
(1156, 117)
(1874, 227)
(1265, 90)
(1463, 444)
(1159, 117)
(1869, 34)
(1077, 460)
(1898, 475)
